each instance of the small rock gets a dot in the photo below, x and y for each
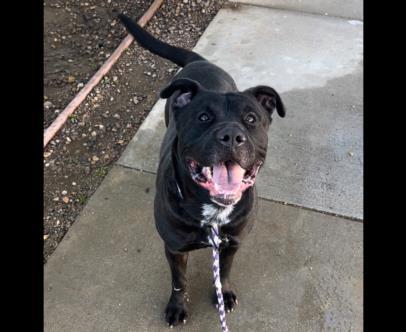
(71, 79)
(95, 158)
(48, 104)
(74, 183)
(87, 170)
(115, 78)
(116, 116)
(111, 98)
(47, 154)
(65, 199)
(80, 85)
(135, 100)
(94, 134)
(58, 222)
(120, 141)
(56, 199)
(351, 154)
(46, 236)
(64, 192)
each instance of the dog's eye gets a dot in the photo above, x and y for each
(203, 117)
(250, 118)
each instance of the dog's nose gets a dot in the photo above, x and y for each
(231, 137)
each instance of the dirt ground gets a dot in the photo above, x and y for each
(78, 38)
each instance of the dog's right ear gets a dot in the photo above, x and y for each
(187, 90)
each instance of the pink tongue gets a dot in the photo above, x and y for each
(228, 178)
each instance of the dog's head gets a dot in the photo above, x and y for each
(222, 137)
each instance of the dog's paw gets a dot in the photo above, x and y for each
(230, 300)
(175, 314)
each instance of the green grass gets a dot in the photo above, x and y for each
(82, 199)
(102, 171)
(73, 118)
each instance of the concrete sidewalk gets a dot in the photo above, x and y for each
(299, 270)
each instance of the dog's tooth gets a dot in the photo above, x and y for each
(206, 172)
(184, 321)
(236, 301)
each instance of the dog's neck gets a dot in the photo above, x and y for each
(213, 213)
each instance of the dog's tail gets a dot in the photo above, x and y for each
(178, 55)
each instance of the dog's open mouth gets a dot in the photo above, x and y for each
(225, 181)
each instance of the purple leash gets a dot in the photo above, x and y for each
(215, 240)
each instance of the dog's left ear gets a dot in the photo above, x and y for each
(187, 90)
(268, 98)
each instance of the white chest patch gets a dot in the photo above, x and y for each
(219, 215)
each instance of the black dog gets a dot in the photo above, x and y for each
(216, 141)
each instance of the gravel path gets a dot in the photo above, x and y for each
(78, 38)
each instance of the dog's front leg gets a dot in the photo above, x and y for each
(226, 261)
(176, 310)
